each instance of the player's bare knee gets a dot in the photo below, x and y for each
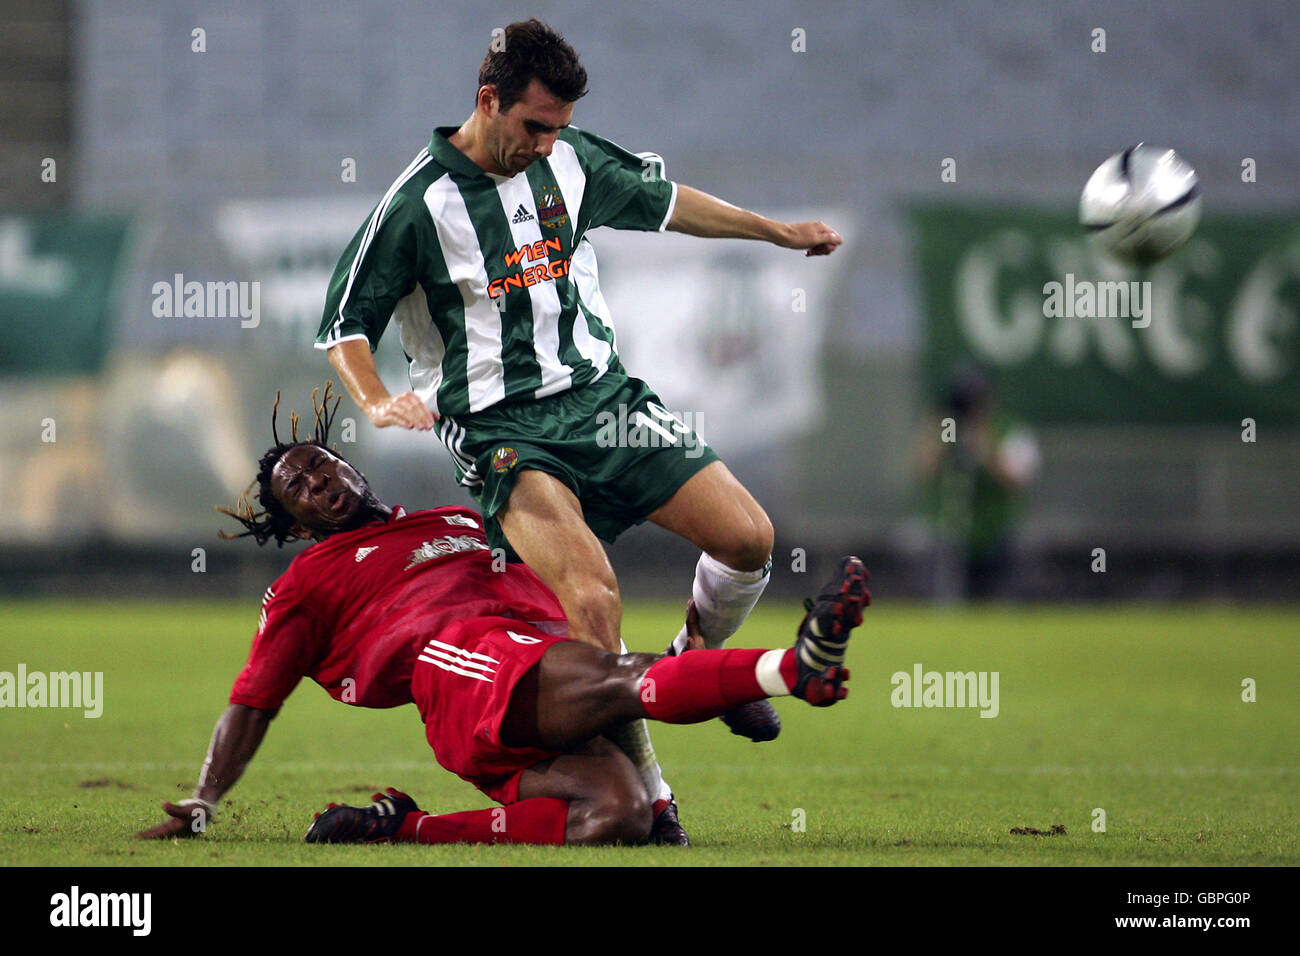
(622, 815)
(625, 684)
(612, 691)
(750, 546)
(616, 809)
(636, 818)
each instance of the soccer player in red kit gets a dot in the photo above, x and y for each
(389, 608)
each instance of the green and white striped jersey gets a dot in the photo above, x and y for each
(491, 278)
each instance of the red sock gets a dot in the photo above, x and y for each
(700, 685)
(539, 820)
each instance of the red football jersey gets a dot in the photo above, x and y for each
(352, 612)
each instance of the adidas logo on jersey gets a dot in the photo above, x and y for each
(521, 215)
(362, 552)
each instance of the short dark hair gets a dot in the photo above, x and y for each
(532, 51)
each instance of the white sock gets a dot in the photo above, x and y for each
(724, 597)
(633, 738)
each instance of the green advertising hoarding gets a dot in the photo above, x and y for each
(1210, 335)
(58, 280)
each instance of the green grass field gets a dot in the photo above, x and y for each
(1137, 711)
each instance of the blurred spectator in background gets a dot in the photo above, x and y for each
(974, 464)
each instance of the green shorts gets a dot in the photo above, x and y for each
(611, 442)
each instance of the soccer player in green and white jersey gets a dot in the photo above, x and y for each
(480, 251)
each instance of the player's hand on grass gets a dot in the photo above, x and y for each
(817, 238)
(187, 818)
(405, 410)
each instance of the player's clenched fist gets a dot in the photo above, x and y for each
(816, 237)
(405, 410)
(187, 818)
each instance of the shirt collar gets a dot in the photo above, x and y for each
(449, 156)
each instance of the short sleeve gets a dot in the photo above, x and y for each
(376, 271)
(288, 643)
(623, 190)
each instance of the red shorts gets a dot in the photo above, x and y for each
(462, 684)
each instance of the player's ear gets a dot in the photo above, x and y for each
(298, 531)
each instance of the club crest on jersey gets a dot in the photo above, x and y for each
(441, 547)
(503, 459)
(551, 211)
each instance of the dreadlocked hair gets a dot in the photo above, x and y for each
(273, 521)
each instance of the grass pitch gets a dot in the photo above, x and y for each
(1136, 711)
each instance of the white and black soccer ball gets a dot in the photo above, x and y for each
(1142, 204)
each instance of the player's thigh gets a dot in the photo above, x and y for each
(544, 523)
(717, 514)
(573, 694)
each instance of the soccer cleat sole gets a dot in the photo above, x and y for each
(827, 688)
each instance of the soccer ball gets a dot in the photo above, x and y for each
(1142, 204)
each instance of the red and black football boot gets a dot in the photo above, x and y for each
(376, 823)
(667, 829)
(824, 634)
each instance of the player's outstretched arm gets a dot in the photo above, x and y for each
(356, 366)
(699, 214)
(235, 739)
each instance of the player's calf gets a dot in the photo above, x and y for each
(606, 800)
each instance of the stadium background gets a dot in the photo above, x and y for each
(229, 165)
